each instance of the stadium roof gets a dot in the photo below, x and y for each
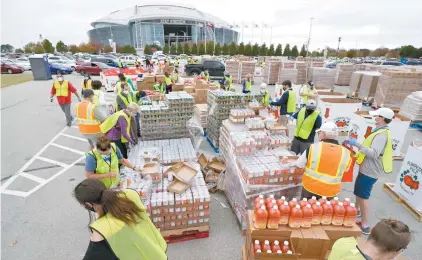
(158, 11)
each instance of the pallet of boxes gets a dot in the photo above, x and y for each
(344, 74)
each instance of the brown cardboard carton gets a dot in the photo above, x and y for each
(313, 244)
(335, 233)
(159, 78)
(155, 97)
(149, 78)
(198, 84)
(282, 231)
(212, 87)
(201, 92)
(178, 87)
(189, 89)
(178, 187)
(216, 165)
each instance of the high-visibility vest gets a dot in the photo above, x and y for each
(387, 156)
(104, 167)
(111, 121)
(141, 241)
(291, 102)
(87, 122)
(304, 125)
(87, 85)
(119, 85)
(119, 64)
(62, 90)
(266, 99)
(126, 100)
(176, 63)
(167, 80)
(324, 169)
(248, 86)
(175, 77)
(161, 88)
(96, 100)
(306, 91)
(229, 79)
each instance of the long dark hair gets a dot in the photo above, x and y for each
(111, 201)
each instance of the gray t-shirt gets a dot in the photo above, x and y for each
(372, 165)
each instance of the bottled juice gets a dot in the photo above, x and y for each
(274, 217)
(281, 201)
(307, 216)
(279, 252)
(296, 215)
(303, 202)
(338, 215)
(327, 214)
(312, 201)
(258, 251)
(322, 200)
(284, 213)
(293, 203)
(269, 252)
(317, 209)
(269, 199)
(259, 198)
(266, 246)
(350, 215)
(334, 201)
(259, 205)
(289, 252)
(271, 204)
(261, 218)
(285, 247)
(276, 246)
(346, 202)
(256, 246)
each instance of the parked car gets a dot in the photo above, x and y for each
(67, 63)
(110, 62)
(128, 60)
(24, 62)
(92, 68)
(56, 58)
(215, 68)
(56, 68)
(10, 67)
(393, 63)
(413, 62)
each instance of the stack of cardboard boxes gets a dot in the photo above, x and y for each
(368, 85)
(200, 90)
(247, 67)
(147, 83)
(201, 113)
(301, 67)
(412, 106)
(287, 72)
(355, 82)
(323, 78)
(234, 69)
(271, 70)
(344, 74)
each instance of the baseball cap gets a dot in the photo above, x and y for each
(310, 83)
(311, 104)
(88, 92)
(263, 85)
(384, 112)
(328, 127)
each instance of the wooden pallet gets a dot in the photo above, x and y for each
(388, 187)
(216, 149)
(185, 234)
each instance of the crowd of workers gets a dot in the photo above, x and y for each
(325, 162)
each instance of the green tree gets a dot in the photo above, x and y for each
(38, 48)
(225, 49)
(6, 48)
(194, 50)
(271, 50)
(419, 53)
(233, 49)
(364, 52)
(173, 49)
(28, 48)
(352, 53)
(210, 48)
(48, 46)
(279, 50)
(255, 49)
(294, 52)
(248, 50)
(241, 49)
(263, 50)
(201, 50)
(380, 52)
(147, 49)
(409, 51)
(73, 48)
(217, 50)
(107, 49)
(19, 50)
(61, 47)
(186, 49)
(287, 52)
(166, 49)
(179, 48)
(303, 51)
(128, 49)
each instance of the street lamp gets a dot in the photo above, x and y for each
(338, 46)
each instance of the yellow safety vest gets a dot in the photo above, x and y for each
(119, 85)
(248, 86)
(62, 90)
(104, 167)
(87, 85)
(175, 77)
(167, 80)
(96, 100)
(141, 241)
(176, 63)
(291, 102)
(306, 91)
(266, 99)
(111, 121)
(161, 88)
(124, 99)
(387, 156)
(229, 79)
(304, 125)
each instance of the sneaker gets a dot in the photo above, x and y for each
(359, 223)
(358, 214)
(365, 230)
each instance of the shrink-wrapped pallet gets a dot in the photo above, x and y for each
(355, 82)
(412, 106)
(233, 68)
(323, 78)
(301, 72)
(287, 74)
(271, 70)
(368, 85)
(247, 67)
(344, 74)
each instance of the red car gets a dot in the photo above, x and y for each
(10, 67)
(92, 68)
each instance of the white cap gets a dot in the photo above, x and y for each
(278, 251)
(273, 201)
(297, 206)
(283, 198)
(285, 203)
(352, 204)
(289, 252)
(272, 196)
(329, 203)
(340, 203)
(313, 197)
(305, 199)
(347, 199)
(258, 250)
(263, 207)
(275, 207)
(261, 201)
(335, 198)
(384, 112)
(324, 197)
(266, 242)
(286, 243)
(261, 196)
(311, 104)
(329, 128)
(256, 242)
(319, 204)
(276, 242)
(263, 85)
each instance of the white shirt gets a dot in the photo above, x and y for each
(302, 90)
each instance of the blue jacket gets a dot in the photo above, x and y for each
(282, 103)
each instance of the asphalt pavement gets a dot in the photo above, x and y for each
(42, 161)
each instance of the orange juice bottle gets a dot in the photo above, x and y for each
(259, 205)
(334, 201)
(296, 215)
(279, 252)
(271, 204)
(346, 202)
(269, 252)
(281, 201)
(303, 202)
(258, 251)
(276, 246)
(256, 246)
(285, 247)
(293, 203)
(261, 218)
(269, 199)
(322, 200)
(312, 200)
(289, 252)
(266, 246)
(338, 216)
(259, 198)
(350, 215)
(308, 214)
(284, 213)
(327, 214)
(317, 209)
(274, 217)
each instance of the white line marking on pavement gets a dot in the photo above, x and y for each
(74, 126)
(33, 177)
(15, 193)
(75, 137)
(53, 161)
(67, 148)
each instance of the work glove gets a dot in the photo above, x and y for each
(352, 141)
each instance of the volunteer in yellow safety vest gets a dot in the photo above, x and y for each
(287, 102)
(267, 98)
(175, 76)
(307, 92)
(325, 163)
(98, 98)
(167, 82)
(138, 97)
(247, 84)
(123, 98)
(89, 117)
(308, 121)
(375, 158)
(206, 75)
(123, 230)
(87, 83)
(158, 86)
(119, 63)
(387, 240)
(124, 79)
(229, 80)
(176, 63)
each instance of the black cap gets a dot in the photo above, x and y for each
(311, 83)
(88, 93)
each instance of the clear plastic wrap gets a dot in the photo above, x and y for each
(196, 132)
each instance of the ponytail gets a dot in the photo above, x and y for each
(120, 207)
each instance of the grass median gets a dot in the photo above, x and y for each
(14, 79)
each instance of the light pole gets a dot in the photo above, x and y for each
(338, 46)
(307, 48)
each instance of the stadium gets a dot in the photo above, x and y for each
(159, 24)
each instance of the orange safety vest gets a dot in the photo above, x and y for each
(62, 90)
(88, 123)
(324, 169)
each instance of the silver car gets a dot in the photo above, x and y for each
(23, 62)
(67, 63)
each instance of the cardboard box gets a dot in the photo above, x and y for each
(201, 92)
(155, 97)
(178, 87)
(178, 187)
(313, 243)
(213, 87)
(159, 78)
(216, 165)
(149, 78)
(189, 89)
(334, 233)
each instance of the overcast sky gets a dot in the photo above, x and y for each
(360, 23)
